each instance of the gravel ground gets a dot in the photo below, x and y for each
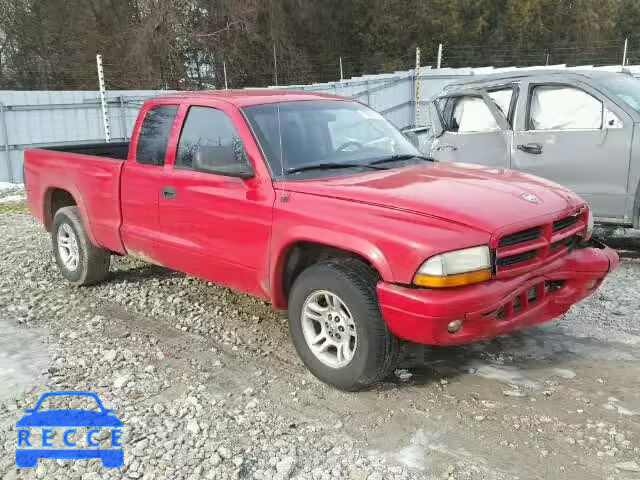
(208, 385)
(11, 192)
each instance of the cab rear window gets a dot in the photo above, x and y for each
(154, 134)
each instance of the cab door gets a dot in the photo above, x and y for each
(473, 130)
(141, 181)
(216, 201)
(572, 134)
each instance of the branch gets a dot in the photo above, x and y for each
(213, 34)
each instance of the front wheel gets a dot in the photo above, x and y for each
(336, 325)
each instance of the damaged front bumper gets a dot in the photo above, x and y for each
(496, 307)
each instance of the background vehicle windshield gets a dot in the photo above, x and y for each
(297, 134)
(63, 402)
(625, 87)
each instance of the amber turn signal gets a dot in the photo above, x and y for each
(458, 280)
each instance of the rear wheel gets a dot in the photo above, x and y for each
(337, 327)
(79, 261)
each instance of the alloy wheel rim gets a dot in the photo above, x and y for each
(329, 328)
(68, 247)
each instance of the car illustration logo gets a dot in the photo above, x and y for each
(530, 197)
(36, 436)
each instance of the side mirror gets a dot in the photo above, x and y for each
(611, 120)
(29, 410)
(222, 160)
(418, 136)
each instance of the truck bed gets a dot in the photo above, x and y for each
(93, 180)
(107, 150)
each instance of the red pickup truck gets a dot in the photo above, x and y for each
(319, 205)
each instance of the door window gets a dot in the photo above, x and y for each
(444, 106)
(209, 142)
(564, 108)
(502, 99)
(154, 135)
(471, 114)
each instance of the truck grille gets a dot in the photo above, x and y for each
(513, 259)
(565, 223)
(529, 248)
(520, 237)
(565, 242)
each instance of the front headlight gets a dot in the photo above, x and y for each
(454, 269)
(589, 231)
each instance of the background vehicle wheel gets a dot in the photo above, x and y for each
(79, 261)
(337, 327)
(26, 459)
(112, 459)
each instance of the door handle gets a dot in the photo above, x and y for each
(533, 148)
(447, 148)
(169, 192)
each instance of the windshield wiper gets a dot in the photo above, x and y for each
(397, 158)
(371, 165)
(332, 165)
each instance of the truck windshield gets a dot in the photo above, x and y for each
(625, 88)
(295, 135)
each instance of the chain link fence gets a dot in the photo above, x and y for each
(30, 119)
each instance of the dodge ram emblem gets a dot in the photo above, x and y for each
(530, 197)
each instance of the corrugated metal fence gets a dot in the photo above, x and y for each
(394, 95)
(37, 118)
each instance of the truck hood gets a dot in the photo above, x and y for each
(480, 197)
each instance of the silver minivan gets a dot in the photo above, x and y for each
(580, 129)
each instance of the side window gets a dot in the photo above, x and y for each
(444, 106)
(209, 142)
(502, 99)
(471, 114)
(441, 104)
(154, 135)
(557, 107)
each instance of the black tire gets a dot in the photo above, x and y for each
(376, 350)
(93, 262)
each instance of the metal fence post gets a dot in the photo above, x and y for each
(275, 63)
(412, 97)
(103, 99)
(123, 118)
(416, 103)
(5, 136)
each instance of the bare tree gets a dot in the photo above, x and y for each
(182, 44)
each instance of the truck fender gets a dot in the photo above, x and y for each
(331, 238)
(79, 203)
